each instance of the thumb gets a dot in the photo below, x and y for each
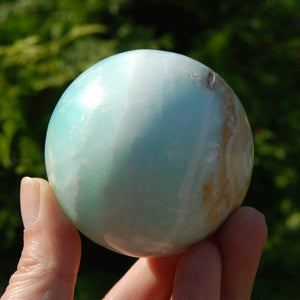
(51, 255)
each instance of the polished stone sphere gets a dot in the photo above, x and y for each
(149, 152)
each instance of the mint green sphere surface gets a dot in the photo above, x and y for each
(148, 152)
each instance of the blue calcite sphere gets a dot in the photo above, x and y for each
(149, 152)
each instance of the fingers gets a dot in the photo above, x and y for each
(241, 241)
(198, 274)
(221, 268)
(50, 258)
(148, 279)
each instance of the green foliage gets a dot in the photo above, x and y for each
(254, 45)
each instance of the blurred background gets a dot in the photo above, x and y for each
(254, 45)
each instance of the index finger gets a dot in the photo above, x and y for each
(241, 241)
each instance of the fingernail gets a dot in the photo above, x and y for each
(30, 200)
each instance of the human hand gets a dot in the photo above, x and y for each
(221, 267)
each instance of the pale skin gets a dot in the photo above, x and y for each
(221, 267)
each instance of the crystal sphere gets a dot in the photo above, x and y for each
(149, 152)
